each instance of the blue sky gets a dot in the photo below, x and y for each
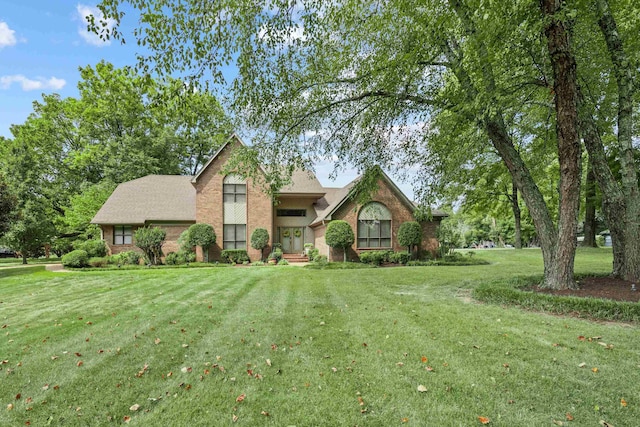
(42, 45)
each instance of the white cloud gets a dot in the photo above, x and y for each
(84, 12)
(31, 84)
(7, 35)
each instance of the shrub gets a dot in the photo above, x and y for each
(184, 241)
(410, 234)
(76, 259)
(400, 257)
(202, 235)
(98, 262)
(171, 259)
(283, 262)
(276, 254)
(150, 240)
(259, 239)
(257, 263)
(339, 235)
(129, 258)
(186, 256)
(375, 257)
(321, 260)
(93, 248)
(234, 256)
(313, 254)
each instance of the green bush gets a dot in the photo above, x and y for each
(339, 235)
(399, 257)
(150, 240)
(129, 258)
(283, 262)
(98, 262)
(257, 263)
(76, 259)
(93, 248)
(202, 235)
(313, 254)
(234, 256)
(171, 259)
(276, 254)
(375, 257)
(410, 234)
(321, 260)
(259, 239)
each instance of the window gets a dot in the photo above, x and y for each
(122, 235)
(235, 212)
(291, 212)
(374, 226)
(234, 236)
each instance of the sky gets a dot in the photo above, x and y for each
(44, 42)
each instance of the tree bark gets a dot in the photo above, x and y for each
(630, 268)
(517, 217)
(590, 209)
(569, 153)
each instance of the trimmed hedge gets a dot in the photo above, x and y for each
(234, 256)
(93, 248)
(515, 293)
(76, 259)
(375, 257)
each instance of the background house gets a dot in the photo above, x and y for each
(235, 206)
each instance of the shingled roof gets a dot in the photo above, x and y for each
(150, 198)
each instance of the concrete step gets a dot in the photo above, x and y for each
(295, 258)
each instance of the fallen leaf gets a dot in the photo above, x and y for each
(78, 354)
(265, 413)
(18, 396)
(405, 420)
(422, 388)
(484, 420)
(134, 407)
(126, 419)
(240, 398)
(268, 362)
(582, 365)
(45, 387)
(9, 406)
(234, 418)
(569, 417)
(581, 338)
(360, 401)
(429, 369)
(424, 359)
(558, 423)
(603, 423)
(80, 363)
(623, 402)
(157, 341)
(594, 370)
(185, 345)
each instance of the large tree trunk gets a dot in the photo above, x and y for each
(623, 72)
(517, 217)
(566, 100)
(558, 245)
(590, 209)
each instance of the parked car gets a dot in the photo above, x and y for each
(7, 253)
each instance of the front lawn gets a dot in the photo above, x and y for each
(291, 346)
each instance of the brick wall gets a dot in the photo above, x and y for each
(170, 245)
(209, 205)
(399, 212)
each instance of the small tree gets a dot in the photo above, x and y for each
(410, 234)
(202, 235)
(339, 235)
(260, 240)
(150, 240)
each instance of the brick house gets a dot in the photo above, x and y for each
(235, 207)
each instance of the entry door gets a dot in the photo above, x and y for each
(291, 239)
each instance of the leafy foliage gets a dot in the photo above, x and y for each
(202, 235)
(76, 259)
(259, 239)
(339, 235)
(94, 248)
(234, 256)
(410, 234)
(375, 257)
(150, 240)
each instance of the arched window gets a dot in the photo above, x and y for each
(234, 192)
(374, 226)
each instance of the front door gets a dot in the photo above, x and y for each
(291, 239)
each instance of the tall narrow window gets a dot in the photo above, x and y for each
(122, 234)
(374, 226)
(234, 191)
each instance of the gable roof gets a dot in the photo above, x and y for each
(150, 198)
(233, 137)
(333, 200)
(303, 182)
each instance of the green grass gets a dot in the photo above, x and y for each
(332, 337)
